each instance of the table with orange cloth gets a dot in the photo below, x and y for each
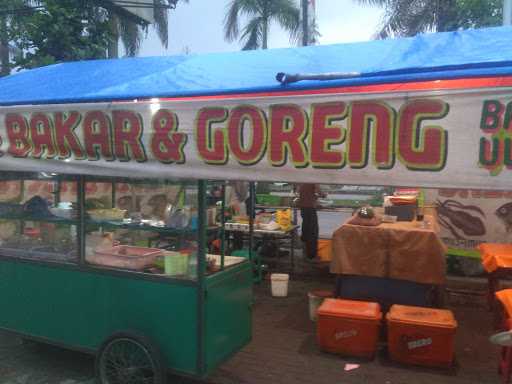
(495, 256)
(402, 250)
(505, 298)
(497, 262)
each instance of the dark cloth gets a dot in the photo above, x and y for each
(309, 233)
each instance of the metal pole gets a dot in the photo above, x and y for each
(223, 227)
(201, 269)
(113, 194)
(507, 12)
(305, 32)
(80, 196)
(255, 258)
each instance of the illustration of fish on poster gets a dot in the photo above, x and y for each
(470, 217)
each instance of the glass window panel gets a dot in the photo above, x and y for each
(152, 226)
(38, 217)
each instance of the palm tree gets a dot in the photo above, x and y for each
(260, 14)
(132, 33)
(314, 34)
(410, 17)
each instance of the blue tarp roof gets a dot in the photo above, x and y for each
(424, 57)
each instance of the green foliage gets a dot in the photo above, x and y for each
(65, 30)
(408, 18)
(479, 13)
(51, 31)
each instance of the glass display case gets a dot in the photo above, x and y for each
(143, 226)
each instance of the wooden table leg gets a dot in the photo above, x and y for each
(439, 296)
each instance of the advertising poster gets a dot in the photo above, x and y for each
(470, 217)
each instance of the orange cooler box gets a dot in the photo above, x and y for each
(349, 328)
(421, 336)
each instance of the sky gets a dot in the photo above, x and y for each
(197, 27)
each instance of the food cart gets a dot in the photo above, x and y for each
(429, 111)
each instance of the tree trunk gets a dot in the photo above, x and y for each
(113, 45)
(305, 21)
(265, 26)
(446, 15)
(4, 48)
(265, 34)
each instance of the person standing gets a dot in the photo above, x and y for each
(237, 198)
(308, 196)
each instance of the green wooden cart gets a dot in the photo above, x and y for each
(433, 111)
(140, 322)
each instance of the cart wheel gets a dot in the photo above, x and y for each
(128, 357)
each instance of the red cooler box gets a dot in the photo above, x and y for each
(421, 336)
(348, 327)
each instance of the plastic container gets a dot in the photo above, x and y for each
(316, 298)
(279, 284)
(124, 256)
(175, 263)
(324, 249)
(421, 336)
(349, 328)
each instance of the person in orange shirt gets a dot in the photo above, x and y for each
(307, 202)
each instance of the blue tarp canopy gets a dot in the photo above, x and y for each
(471, 53)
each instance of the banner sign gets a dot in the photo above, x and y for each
(457, 138)
(472, 217)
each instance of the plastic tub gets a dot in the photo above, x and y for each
(316, 298)
(176, 263)
(324, 249)
(349, 328)
(279, 284)
(421, 336)
(124, 256)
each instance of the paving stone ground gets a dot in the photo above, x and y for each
(283, 350)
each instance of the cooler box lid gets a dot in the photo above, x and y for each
(440, 318)
(350, 309)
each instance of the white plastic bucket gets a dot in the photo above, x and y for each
(279, 284)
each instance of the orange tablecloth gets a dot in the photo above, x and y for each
(505, 297)
(495, 256)
(402, 250)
